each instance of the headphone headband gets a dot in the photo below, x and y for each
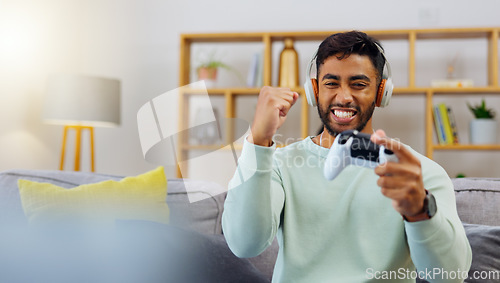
(384, 91)
(386, 63)
(311, 94)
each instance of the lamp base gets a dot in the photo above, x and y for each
(78, 140)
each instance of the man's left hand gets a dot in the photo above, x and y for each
(401, 181)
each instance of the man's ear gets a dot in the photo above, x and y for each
(315, 88)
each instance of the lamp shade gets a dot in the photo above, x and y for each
(74, 99)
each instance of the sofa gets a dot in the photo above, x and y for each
(193, 239)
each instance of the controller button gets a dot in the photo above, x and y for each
(343, 139)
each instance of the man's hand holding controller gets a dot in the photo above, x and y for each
(400, 172)
(402, 181)
(273, 105)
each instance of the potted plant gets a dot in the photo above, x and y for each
(207, 70)
(483, 129)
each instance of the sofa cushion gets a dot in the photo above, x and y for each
(477, 200)
(203, 215)
(191, 256)
(231, 268)
(267, 259)
(139, 197)
(485, 243)
(133, 251)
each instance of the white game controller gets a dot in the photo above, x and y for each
(353, 147)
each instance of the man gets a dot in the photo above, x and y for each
(365, 224)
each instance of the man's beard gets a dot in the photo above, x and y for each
(364, 117)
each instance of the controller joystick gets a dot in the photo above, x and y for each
(353, 147)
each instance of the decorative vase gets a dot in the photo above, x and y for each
(288, 75)
(483, 131)
(209, 75)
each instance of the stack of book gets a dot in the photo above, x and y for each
(446, 128)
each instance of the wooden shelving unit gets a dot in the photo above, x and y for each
(491, 34)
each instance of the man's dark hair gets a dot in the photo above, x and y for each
(353, 42)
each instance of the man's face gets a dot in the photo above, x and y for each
(347, 90)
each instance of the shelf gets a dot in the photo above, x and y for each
(231, 91)
(221, 91)
(222, 37)
(455, 33)
(467, 147)
(466, 90)
(397, 90)
(210, 147)
(442, 33)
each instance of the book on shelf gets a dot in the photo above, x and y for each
(444, 121)
(453, 125)
(252, 70)
(260, 70)
(438, 123)
(254, 76)
(443, 111)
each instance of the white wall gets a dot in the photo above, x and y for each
(137, 42)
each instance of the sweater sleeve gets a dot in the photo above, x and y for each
(254, 202)
(439, 247)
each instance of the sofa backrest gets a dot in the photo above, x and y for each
(478, 200)
(196, 204)
(203, 215)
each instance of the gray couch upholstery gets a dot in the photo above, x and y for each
(478, 200)
(478, 203)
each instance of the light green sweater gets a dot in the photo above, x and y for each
(343, 230)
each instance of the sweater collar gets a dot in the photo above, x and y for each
(315, 149)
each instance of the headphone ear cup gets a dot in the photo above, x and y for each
(380, 92)
(315, 89)
(386, 86)
(311, 89)
(384, 92)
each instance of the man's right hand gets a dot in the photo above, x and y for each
(273, 105)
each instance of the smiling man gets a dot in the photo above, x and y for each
(365, 224)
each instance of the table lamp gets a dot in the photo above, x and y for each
(81, 102)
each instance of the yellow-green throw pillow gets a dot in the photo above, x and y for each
(139, 198)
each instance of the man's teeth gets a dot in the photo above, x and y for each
(343, 114)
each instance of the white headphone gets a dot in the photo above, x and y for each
(385, 87)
